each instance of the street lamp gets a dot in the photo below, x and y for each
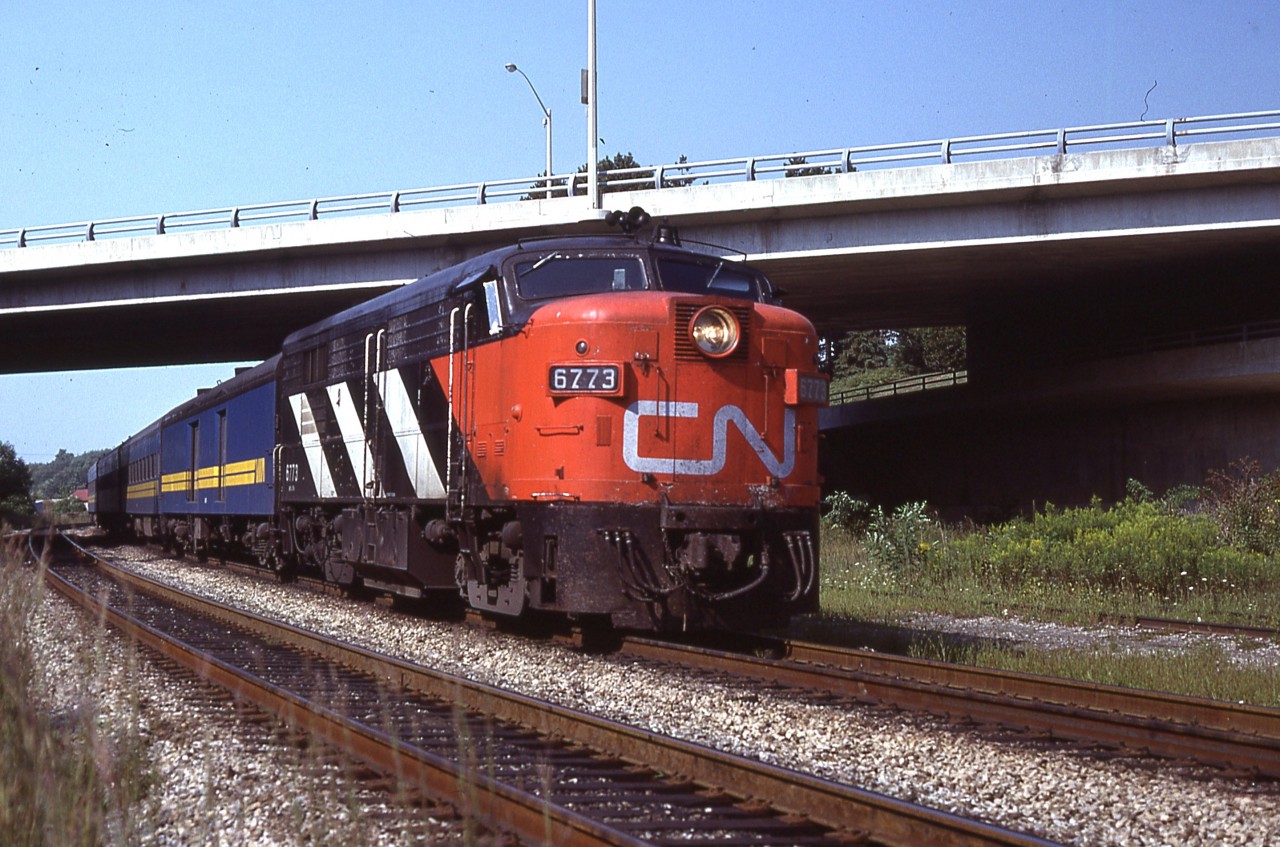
(546, 119)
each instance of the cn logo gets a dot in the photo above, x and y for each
(720, 427)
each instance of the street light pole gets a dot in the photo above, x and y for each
(593, 152)
(546, 119)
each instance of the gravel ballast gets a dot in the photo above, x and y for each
(218, 778)
(1045, 789)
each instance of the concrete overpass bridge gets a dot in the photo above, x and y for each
(1056, 249)
(946, 231)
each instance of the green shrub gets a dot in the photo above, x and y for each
(1137, 544)
(845, 512)
(1154, 546)
(1246, 505)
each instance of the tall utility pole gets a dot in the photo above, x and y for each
(593, 137)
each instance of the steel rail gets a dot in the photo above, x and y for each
(1228, 735)
(842, 808)
(1165, 131)
(1270, 633)
(496, 804)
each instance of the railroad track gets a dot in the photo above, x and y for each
(1209, 627)
(521, 766)
(893, 634)
(1239, 738)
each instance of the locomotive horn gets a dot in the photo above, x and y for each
(630, 221)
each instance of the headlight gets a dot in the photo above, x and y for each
(714, 331)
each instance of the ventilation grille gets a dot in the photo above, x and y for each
(685, 349)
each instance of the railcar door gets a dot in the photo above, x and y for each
(456, 462)
(373, 406)
(476, 319)
(492, 576)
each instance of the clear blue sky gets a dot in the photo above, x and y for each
(145, 106)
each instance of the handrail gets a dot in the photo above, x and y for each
(1177, 340)
(1167, 131)
(906, 385)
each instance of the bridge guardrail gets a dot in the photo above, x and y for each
(1181, 340)
(906, 385)
(1167, 131)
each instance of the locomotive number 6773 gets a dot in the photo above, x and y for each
(585, 379)
(608, 427)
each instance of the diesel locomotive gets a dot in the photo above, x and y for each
(614, 428)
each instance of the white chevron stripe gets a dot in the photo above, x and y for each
(306, 422)
(413, 446)
(353, 438)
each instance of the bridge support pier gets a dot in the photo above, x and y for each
(1003, 461)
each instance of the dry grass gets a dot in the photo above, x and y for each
(67, 779)
(1200, 671)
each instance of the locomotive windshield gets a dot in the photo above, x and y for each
(565, 275)
(708, 278)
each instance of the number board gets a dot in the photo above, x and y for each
(585, 379)
(805, 389)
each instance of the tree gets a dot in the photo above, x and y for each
(793, 168)
(646, 177)
(930, 349)
(15, 486)
(57, 479)
(874, 357)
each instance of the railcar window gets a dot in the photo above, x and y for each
(708, 278)
(492, 306)
(316, 364)
(559, 275)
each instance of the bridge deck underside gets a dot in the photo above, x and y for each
(911, 246)
(959, 285)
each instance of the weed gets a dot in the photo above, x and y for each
(1193, 553)
(898, 541)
